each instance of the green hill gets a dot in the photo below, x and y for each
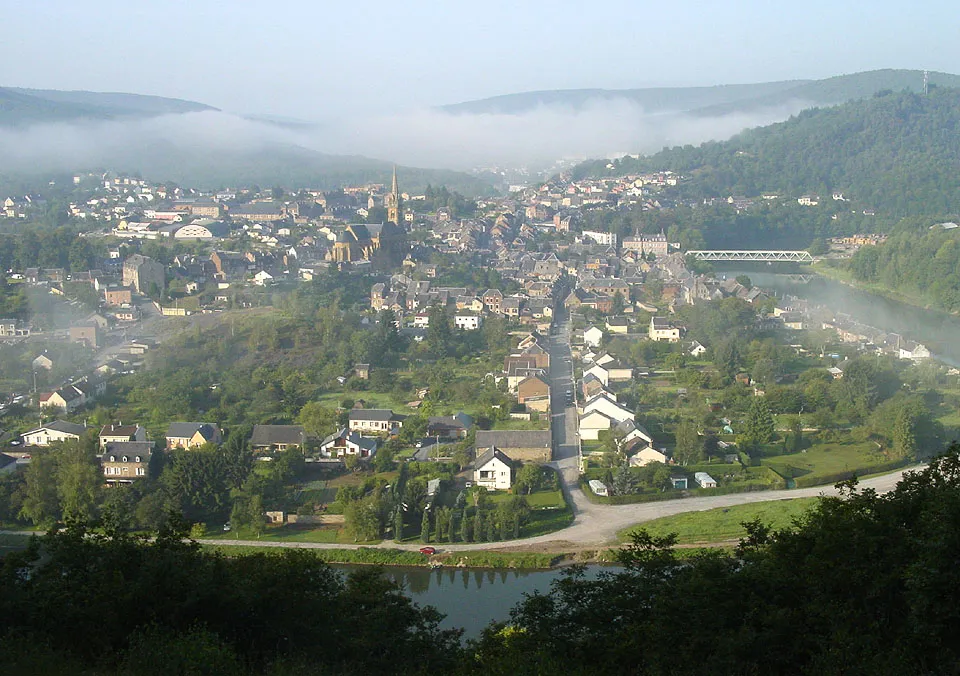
(719, 100)
(896, 153)
(20, 107)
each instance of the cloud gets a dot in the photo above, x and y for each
(539, 137)
(426, 138)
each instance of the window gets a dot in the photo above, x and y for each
(113, 458)
(137, 459)
(141, 471)
(126, 459)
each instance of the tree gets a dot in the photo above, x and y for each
(464, 526)
(398, 524)
(41, 504)
(78, 482)
(905, 434)
(744, 281)
(425, 527)
(758, 427)
(617, 304)
(623, 482)
(317, 419)
(689, 447)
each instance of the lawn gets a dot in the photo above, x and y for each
(827, 460)
(288, 533)
(723, 524)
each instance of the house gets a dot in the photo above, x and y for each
(617, 371)
(343, 442)
(518, 445)
(192, 435)
(598, 372)
(609, 407)
(647, 455)
(115, 433)
(362, 371)
(277, 438)
(695, 348)
(375, 421)
(124, 462)
(704, 480)
(67, 398)
(532, 387)
(679, 482)
(591, 423)
(54, 432)
(42, 361)
(449, 426)
(593, 337)
(493, 470)
(263, 278)
(467, 322)
(598, 487)
(617, 325)
(632, 430)
(87, 333)
(662, 330)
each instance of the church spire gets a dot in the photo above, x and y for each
(392, 201)
(395, 188)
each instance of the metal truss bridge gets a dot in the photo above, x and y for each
(752, 255)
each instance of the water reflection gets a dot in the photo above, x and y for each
(472, 607)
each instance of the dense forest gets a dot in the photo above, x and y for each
(895, 152)
(861, 584)
(924, 264)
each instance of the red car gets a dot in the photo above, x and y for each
(429, 551)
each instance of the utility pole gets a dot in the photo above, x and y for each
(926, 82)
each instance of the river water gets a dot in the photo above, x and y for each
(939, 331)
(470, 598)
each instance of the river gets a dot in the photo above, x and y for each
(939, 331)
(471, 598)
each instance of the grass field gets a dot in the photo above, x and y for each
(827, 459)
(723, 524)
(288, 533)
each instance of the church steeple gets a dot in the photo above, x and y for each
(393, 201)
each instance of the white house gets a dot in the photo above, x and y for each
(608, 407)
(493, 470)
(343, 443)
(58, 430)
(375, 421)
(593, 336)
(704, 480)
(598, 372)
(591, 423)
(662, 330)
(263, 278)
(467, 322)
(696, 349)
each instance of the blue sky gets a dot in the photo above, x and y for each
(310, 59)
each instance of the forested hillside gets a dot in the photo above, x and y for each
(899, 153)
(924, 265)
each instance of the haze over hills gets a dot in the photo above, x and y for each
(720, 99)
(171, 139)
(20, 106)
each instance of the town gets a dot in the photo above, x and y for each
(508, 351)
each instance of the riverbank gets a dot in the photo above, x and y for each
(845, 277)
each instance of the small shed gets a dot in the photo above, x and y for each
(704, 480)
(598, 487)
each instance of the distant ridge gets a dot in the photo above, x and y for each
(716, 100)
(22, 107)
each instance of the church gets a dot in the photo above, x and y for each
(384, 243)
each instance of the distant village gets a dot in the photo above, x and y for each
(253, 240)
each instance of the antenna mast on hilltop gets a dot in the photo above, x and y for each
(926, 81)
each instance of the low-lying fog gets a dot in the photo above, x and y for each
(426, 138)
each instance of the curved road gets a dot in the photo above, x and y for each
(594, 526)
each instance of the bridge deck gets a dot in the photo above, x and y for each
(768, 256)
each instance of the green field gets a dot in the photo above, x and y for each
(825, 460)
(288, 533)
(723, 524)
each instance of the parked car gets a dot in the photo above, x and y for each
(226, 527)
(429, 551)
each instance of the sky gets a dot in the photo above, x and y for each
(371, 73)
(314, 60)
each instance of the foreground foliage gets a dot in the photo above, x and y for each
(862, 584)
